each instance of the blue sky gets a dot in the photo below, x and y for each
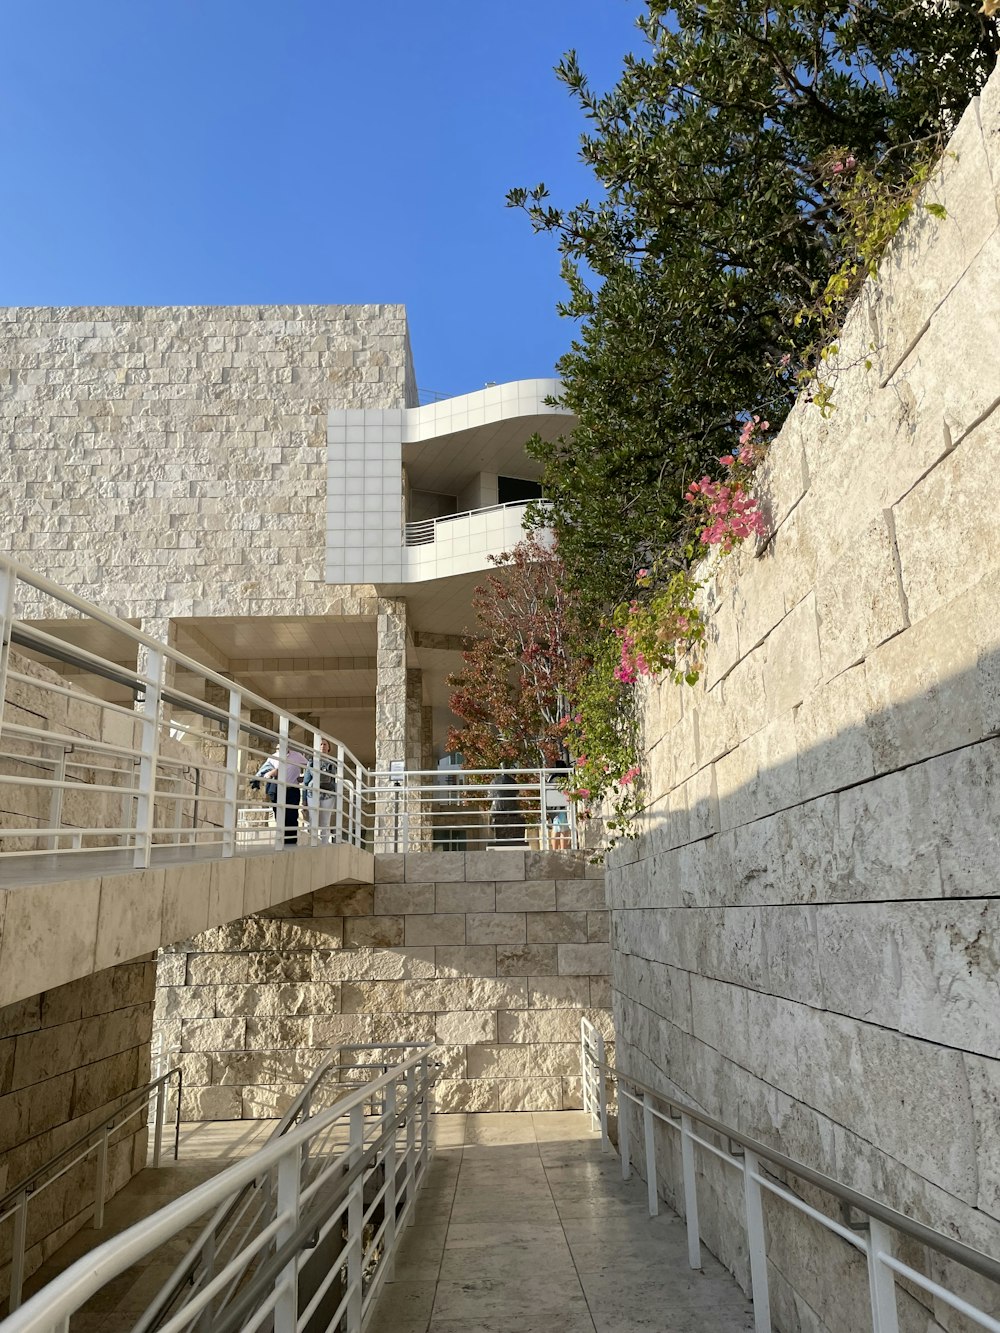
(225, 151)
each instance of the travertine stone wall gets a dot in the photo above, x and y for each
(68, 1058)
(495, 955)
(804, 938)
(171, 461)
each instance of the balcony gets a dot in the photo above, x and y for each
(461, 543)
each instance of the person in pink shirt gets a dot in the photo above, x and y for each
(270, 772)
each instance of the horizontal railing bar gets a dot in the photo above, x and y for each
(942, 1293)
(137, 1096)
(71, 1289)
(845, 1233)
(952, 1249)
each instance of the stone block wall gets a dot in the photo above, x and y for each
(494, 955)
(171, 461)
(68, 1058)
(804, 936)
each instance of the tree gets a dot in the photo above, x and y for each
(719, 222)
(521, 673)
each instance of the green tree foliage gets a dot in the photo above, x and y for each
(716, 224)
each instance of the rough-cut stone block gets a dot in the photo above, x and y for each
(318, 932)
(792, 659)
(534, 1094)
(49, 932)
(373, 964)
(600, 992)
(213, 1034)
(495, 927)
(503, 864)
(389, 867)
(524, 1061)
(400, 899)
(466, 1028)
(598, 927)
(465, 898)
(466, 960)
(555, 865)
(859, 600)
(557, 927)
(130, 916)
(931, 254)
(554, 992)
(925, 688)
(534, 895)
(574, 895)
(520, 960)
(534, 1026)
(466, 1095)
(340, 1028)
(269, 968)
(344, 900)
(583, 959)
(213, 969)
(211, 1104)
(435, 867)
(832, 734)
(436, 929)
(380, 931)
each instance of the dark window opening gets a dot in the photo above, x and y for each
(510, 490)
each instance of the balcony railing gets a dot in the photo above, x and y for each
(426, 530)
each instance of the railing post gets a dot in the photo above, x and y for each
(56, 798)
(149, 730)
(338, 828)
(602, 1092)
(8, 580)
(281, 803)
(355, 1224)
(881, 1282)
(389, 1165)
(231, 806)
(425, 1112)
(574, 840)
(286, 1310)
(161, 1108)
(102, 1176)
(624, 1142)
(411, 1143)
(543, 814)
(17, 1255)
(756, 1243)
(359, 837)
(652, 1197)
(690, 1192)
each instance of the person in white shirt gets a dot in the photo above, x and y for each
(270, 773)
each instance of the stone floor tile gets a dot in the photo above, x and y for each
(403, 1307)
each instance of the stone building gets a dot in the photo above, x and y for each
(257, 485)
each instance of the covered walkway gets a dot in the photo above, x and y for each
(525, 1226)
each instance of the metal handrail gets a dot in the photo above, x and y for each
(756, 1162)
(420, 531)
(142, 776)
(96, 1140)
(51, 1308)
(223, 1214)
(952, 1249)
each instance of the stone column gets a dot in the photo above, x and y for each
(390, 683)
(390, 719)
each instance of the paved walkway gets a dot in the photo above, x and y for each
(525, 1226)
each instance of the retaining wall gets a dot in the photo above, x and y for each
(494, 955)
(805, 934)
(68, 1058)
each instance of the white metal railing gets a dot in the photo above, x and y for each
(474, 809)
(96, 1143)
(149, 753)
(422, 531)
(337, 1190)
(872, 1236)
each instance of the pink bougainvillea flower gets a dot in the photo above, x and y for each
(727, 460)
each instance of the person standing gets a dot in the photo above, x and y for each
(320, 786)
(270, 772)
